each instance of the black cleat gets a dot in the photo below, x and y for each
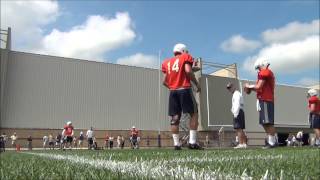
(195, 146)
(177, 148)
(268, 146)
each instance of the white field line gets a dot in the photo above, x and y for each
(155, 169)
(224, 159)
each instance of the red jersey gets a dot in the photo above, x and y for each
(266, 92)
(134, 132)
(314, 100)
(174, 69)
(68, 130)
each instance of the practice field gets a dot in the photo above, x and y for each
(279, 163)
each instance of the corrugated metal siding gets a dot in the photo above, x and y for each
(45, 91)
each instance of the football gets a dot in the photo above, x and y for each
(247, 90)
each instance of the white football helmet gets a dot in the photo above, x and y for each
(181, 48)
(312, 92)
(133, 127)
(261, 62)
(69, 122)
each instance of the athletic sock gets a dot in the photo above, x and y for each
(176, 141)
(317, 141)
(271, 140)
(193, 137)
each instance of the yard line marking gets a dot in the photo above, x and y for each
(156, 169)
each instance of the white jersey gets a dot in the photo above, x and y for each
(237, 103)
(90, 134)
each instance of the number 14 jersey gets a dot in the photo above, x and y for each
(174, 69)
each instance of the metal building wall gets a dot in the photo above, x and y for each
(46, 91)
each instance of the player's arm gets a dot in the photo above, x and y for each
(164, 80)
(257, 86)
(63, 132)
(190, 74)
(312, 108)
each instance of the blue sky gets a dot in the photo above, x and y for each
(202, 25)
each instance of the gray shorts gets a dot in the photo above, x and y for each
(266, 114)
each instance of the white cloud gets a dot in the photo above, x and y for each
(140, 60)
(306, 81)
(92, 39)
(238, 44)
(26, 19)
(290, 57)
(291, 32)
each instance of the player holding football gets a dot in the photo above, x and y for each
(314, 116)
(264, 88)
(178, 75)
(68, 134)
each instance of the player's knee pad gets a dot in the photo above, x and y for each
(175, 120)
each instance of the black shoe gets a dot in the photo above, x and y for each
(268, 146)
(177, 148)
(195, 146)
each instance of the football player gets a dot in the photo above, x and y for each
(134, 133)
(264, 88)
(314, 116)
(178, 75)
(68, 134)
(238, 115)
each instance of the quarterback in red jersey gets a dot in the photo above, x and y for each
(177, 78)
(134, 136)
(314, 116)
(68, 134)
(264, 88)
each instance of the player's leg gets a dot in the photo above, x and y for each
(266, 119)
(189, 105)
(315, 125)
(175, 115)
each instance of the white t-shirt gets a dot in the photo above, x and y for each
(90, 134)
(237, 103)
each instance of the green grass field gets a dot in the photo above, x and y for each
(279, 163)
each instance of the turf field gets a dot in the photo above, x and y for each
(279, 163)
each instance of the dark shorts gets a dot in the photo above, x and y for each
(239, 121)
(51, 143)
(90, 141)
(182, 101)
(266, 114)
(314, 120)
(69, 139)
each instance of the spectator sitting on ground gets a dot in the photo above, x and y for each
(51, 142)
(299, 138)
(111, 142)
(75, 142)
(29, 143)
(58, 141)
(118, 142)
(106, 142)
(81, 138)
(122, 142)
(45, 141)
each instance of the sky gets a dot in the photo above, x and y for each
(137, 32)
